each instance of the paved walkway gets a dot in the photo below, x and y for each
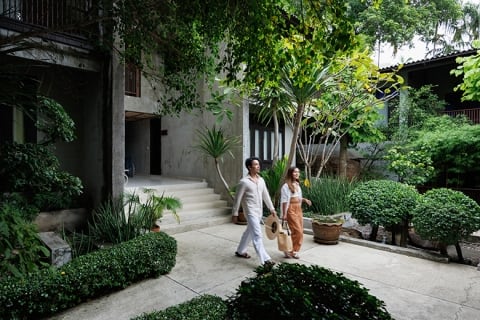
(412, 288)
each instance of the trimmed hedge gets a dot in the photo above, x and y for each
(296, 291)
(446, 215)
(382, 202)
(204, 307)
(87, 277)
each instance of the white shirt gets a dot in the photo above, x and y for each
(251, 195)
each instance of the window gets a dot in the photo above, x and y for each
(132, 80)
(262, 141)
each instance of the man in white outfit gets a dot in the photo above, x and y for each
(251, 193)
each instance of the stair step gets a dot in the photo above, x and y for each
(198, 224)
(201, 206)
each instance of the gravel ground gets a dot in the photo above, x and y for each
(470, 248)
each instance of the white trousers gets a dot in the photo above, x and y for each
(253, 232)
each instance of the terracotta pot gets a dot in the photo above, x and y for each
(326, 233)
(155, 228)
(242, 219)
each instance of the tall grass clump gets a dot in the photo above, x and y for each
(328, 195)
(118, 220)
(273, 179)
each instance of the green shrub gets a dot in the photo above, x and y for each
(446, 215)
(21, 250)
(383, 203)
(86, 277)
(204, 307)
(33, 171)
(296, 291)
(328, 195)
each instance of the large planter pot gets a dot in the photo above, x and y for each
(326, 232)
(242, 219)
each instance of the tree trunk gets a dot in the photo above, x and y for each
(459, 252)
(373, 234)
(404, 235)
(225, 184)
(275, 139)
(293, 145)
(343, 157)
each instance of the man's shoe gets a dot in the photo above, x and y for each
(269, 264)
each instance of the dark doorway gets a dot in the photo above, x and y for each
(155, 146)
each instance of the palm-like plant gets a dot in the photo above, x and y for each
(301, 93)
(214, 143)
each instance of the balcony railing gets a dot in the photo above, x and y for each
(67, 17)
(472, 114)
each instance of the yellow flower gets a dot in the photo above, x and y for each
(62, 273)
(306, 183)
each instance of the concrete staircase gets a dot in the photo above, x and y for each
(201, 206)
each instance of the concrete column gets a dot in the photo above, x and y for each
(115, 129)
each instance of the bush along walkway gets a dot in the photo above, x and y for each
(87, 277)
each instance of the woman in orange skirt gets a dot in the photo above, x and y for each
(291, 205)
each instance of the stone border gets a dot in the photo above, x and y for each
(417, 253)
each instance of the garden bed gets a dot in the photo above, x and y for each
(355, 233)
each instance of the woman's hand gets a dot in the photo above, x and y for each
(308, 202)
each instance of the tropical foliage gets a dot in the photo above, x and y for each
(468, 68)
(214, 143)
(125, 218)
(21, 251)
(453, 147)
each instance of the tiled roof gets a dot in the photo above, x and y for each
(437, 58)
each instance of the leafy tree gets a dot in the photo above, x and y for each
(31, 169)
(397, 22)
(343, 107)
(453, 147)
(412, 167)
(469, 67)
(467, 28)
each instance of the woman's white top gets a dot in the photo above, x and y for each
(286, 194)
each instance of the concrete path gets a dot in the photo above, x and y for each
(412, 288)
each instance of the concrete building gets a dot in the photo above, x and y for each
(114, 108)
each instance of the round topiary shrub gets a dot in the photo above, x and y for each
(447, 216)
(383, 203)
(296, 291)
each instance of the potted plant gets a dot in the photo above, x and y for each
(154, 207)
(327, 228)
(327, 216)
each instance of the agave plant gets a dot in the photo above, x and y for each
(214, 143)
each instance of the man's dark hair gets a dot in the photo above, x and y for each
(248, 162)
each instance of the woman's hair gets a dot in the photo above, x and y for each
(290, 180)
